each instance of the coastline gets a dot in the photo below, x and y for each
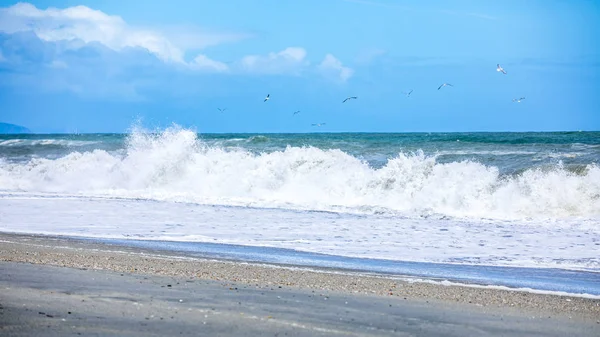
(64, 252)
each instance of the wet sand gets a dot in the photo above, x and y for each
(116, 290)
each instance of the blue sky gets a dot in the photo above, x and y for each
(102, 66)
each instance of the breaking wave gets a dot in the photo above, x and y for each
(42, 142)
(177, 166)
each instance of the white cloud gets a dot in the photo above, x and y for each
(111, 37)
(202, 62)
(89, 25)
(332, 66)
(291, 60)
(189, 37)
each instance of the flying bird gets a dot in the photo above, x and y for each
(296, 112)
(347, 98)
(515, 100)
(222, 110)
(445, 84)
(499, 68)
(267, 98)
(318, 124)
(408, 93)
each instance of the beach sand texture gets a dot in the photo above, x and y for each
(116, 290)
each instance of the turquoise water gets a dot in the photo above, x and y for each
(482, 175)
(509, 152)
(487, 175)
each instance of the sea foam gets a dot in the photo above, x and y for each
(176, 165)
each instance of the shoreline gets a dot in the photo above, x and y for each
(549, 280)
(543, 280)
(63, 252)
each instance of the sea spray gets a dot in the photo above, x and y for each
(177, 165)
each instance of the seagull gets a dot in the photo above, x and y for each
(267, 98)
(319, 124)
(499, 68)
(296, 112)
(408, 93)
(222, 110)
(518, 100)
(347, 98)
(445, 84)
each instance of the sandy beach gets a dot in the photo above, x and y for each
(125, 285)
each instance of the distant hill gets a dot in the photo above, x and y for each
(12, 128)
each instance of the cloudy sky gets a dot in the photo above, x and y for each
(103, 66)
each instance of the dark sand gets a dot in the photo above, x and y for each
(60, 287)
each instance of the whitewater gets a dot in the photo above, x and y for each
(494, 199)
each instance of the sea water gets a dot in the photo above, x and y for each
(493, 199)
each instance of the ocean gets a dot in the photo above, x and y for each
(514, 200)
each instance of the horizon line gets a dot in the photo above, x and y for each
(280, 133)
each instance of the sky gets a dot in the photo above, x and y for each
(106, 66)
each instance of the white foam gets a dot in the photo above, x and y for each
(176, 166)
(10, 142)
(33, 142)
(502, 243)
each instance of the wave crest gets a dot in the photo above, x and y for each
(175, 165)
(44, 142)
